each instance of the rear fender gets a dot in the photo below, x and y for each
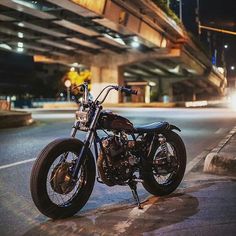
(173, 127)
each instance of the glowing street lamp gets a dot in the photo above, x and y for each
(135, 43)
(68, 84)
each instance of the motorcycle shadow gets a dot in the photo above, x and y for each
(124, 219)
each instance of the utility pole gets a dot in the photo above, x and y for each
(180, 11)
(198, 17)
(168, 3)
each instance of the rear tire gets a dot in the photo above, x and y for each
(150, 182)
(40, 183)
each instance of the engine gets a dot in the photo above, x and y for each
(116, 163)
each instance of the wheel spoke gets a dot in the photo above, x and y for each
(63, 199)
(163, 179)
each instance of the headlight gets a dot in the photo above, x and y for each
(82, 116)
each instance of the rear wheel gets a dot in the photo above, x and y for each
(166, 168)
(52, 189)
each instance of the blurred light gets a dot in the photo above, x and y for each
(67, 83)
(21, 24)
(232, 68)
(221, 70)
(5, 46)
(127, 74)
(72, 69)
(20, 49)
(232, 101)
(61, 94)
(20, 44)
(226, 46)
(152, 84)
(20, 35)
(135, 44)
(30, 121)
(13, 98)
(196, 104)
(116, 39)
(75, 64)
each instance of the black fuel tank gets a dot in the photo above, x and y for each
(110, 121)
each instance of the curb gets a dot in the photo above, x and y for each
(221, 163)
(15, 120)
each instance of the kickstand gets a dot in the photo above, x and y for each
(133, 187)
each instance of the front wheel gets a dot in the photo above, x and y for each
(166, 166)
(52, 189)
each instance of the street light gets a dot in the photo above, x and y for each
(226, 46)
(68, 84)
(232, 67)
(135, 43)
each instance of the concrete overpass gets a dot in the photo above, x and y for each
(120, 41)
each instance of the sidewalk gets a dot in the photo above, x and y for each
(10, 119)
(203, 205)
(222, 159)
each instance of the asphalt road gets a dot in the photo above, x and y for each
(201, 129)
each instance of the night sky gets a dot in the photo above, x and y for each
(214, 13)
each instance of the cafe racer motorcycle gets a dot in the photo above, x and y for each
(64, 173)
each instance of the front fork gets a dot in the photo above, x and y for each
(87, 142)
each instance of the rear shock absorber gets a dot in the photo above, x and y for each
(162, 141)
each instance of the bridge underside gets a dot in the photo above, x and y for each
(131, 42)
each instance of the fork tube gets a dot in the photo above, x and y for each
(88, 140)
(85, 95)
(74, 129)
(95, 143)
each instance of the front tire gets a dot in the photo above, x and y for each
(53, 197)
(151, 181)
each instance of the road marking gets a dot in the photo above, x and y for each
(122, 226)
(17, 163)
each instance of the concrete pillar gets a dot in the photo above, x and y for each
(103, 76)
(147, 94)
(166, 90)
(194, 98)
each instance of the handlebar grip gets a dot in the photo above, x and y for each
(129, 91)
(134, 92)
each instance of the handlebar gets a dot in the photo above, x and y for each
(117, 88)
(109, 88)
(128, 91)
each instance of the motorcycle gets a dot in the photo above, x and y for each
(64, 173)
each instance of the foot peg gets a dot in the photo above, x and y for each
(133, 187)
